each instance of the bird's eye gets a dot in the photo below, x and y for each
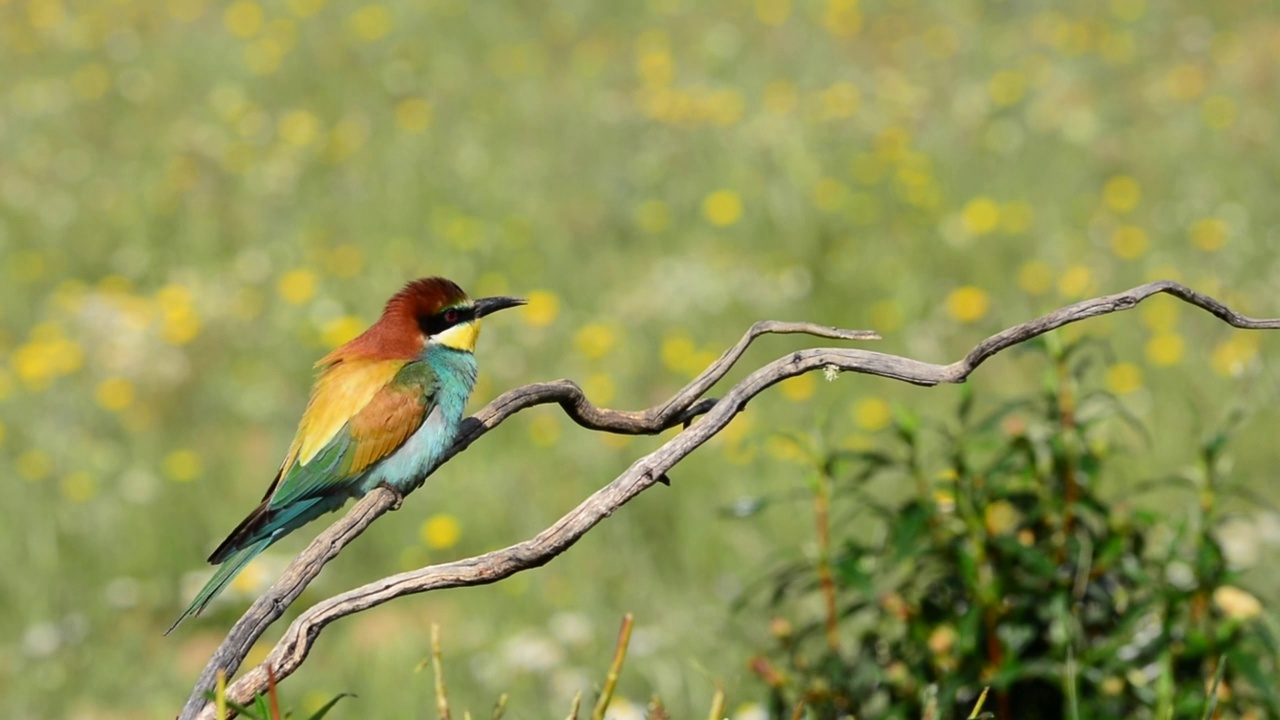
(451, 316)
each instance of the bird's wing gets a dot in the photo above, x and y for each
(359, 413)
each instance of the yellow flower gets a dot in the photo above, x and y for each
(595, 340)
(653, 216)
(1035, 277)
(297, 286)
(1016, 217)
(251, 578)
(840, 101)
(1075, 282)
(371, 22)
(842, 18)
(1007, 87)
(33, 364)
(798, 388)
(1128, 10)
(1165, 348)
(182, 465)
(243, 18)
(1185, 82)
(34, 464)
(656, 67)
(1236, 604)
(263, 57)
(1124, 378)
(1218, 112)
(79, 486)
(440, 531)
(980, 216)
(1001, 517)
(1121, 193)
(1160, 313)
(872, 414)
(298, 128)
(1232, 357)
(413, 115)
(773, 12)
(114, 393)
(893, 142)
(1210, 234)
(305, 8)
(677, 351)
(722, 208)
(46, 14)
(1129, 242)
(340, 330)
(968, 303)
(542, 309)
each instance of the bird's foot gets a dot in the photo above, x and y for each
(399, 496)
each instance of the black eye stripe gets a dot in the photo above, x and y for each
(445, 319)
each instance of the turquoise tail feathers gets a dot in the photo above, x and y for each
(226, 572)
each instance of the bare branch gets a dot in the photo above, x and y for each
(703, 417)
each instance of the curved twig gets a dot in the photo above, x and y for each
(704, 419)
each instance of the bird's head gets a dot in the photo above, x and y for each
(443, 313)
(428, 311)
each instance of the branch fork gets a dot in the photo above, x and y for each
(701, 419)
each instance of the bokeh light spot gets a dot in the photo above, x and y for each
(798, 388)
(542, 309)
(413, 115)
(1210, 234)
(1124, 378)
(243, 18)
(182, 465)
(297, 286)
(1165, 349)
(1129, 242)
(34, 464)
(440, 531)
(115, 393)
(872, 414)
(722, 208)
(980, 216)
(1121, 193)
(595, 340)
(968, 304)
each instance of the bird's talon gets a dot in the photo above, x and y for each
(399, 497)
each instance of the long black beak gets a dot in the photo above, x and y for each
(485, 306)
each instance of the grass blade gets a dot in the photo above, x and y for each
(615, 670)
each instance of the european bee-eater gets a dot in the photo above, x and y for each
(383, 408)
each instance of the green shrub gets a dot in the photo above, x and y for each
(1005, 567)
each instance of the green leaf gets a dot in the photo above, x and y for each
(324, 709)
(250, 713)
(1212, 701)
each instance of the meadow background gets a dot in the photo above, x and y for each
(198, 199)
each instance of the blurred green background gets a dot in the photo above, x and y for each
(198, 199)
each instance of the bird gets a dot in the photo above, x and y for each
(384, 407)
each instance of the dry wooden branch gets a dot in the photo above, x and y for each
(703, 418)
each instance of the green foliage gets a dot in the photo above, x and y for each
(265, 707)
(1008, 568)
